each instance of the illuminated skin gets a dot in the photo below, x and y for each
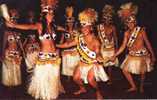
(13, 14)
(140, 42)
(46, 45)
(12, 46)
(30, 42)
(94, 45)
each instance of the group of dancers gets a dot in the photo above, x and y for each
(82, 52)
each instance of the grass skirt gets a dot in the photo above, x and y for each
(30, 60)
(108, 53)
(137, 64)
(45, 82)
(11, 73)
(99, 73)
(70, 60)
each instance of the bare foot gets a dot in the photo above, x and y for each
(99, 96)
(132, 89)
(80, 91)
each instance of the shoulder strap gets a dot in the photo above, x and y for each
(133, 36)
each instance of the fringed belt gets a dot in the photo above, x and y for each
(142, 52)
(48, 58)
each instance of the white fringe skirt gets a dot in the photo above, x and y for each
(99, 73)
(108, 53)
(137, 64)
(11, 73)
(70, 59)
(45, 82)
(30, 60)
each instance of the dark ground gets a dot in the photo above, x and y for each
(114, 91)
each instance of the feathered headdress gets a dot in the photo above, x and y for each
(107, 12)
(126, 10)
(48, 6)
(69, 14)
(88, 16)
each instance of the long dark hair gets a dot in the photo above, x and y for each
(44, 23)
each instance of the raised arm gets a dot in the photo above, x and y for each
(23, 26)
(149, 47)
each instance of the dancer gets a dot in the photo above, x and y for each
(108, 36)
(32, 49)
(88, 69)
(140, 56)
(11, 68)
(45, 82)
(31, 45)
(70, 56)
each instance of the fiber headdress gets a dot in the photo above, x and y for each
(48, 6)
(107, 12)
(69, 14)
(88, 16)
(127, 10)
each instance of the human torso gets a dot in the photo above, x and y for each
(106, 35)
(138, 46)
(48, 41)
(86, 48)
(70, 36)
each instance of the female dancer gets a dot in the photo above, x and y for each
(88, 69)
(11, 71)
(138, 60)
(32, 49)
(45, 82)
(70, 56)
(108, 36)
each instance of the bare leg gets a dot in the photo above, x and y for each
(130, 80)
(142, 83)
(93, 83)
(78, 81)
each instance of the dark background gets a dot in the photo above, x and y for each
(147, 17)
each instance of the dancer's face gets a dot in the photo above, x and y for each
(70, 25)
(131, 25)
(86, 29)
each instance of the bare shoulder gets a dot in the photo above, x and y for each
(126, 33)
